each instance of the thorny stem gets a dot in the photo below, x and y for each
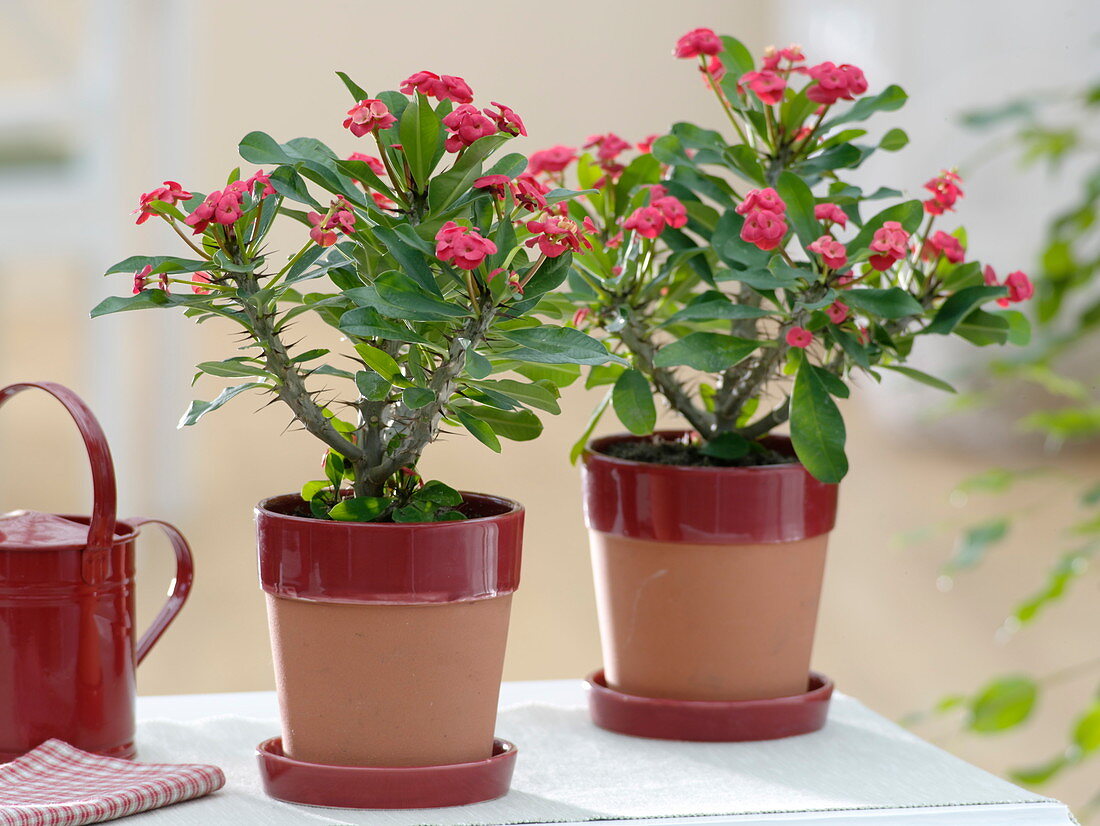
(201, 253)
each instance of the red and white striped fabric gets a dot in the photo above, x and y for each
(60, 785)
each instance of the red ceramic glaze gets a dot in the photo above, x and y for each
(710, 721)
(67, 650)
(390, 563)
(354, 787)
(704, 505)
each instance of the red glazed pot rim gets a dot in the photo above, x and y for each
(507, 507)
(710, 720)
(390, 563)
(763, 504)
(385, 787)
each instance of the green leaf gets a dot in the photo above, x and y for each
(737, 58)
(632, 399)
(982, 328)
(726, 446)
(482, 431)
(1041, 773)
(745, 163)
(709, 352)
(372, 386)
(412, 260)
(232, 368)
(800, 207)
(893, 140)
(528, 393)
(892, 302)
(817, 428)
(974, 542)
(889, 99)
(357, 91)
(518, 425)
(713, 306)
(556, 345)
(449, 186)
(379, 361)
(920, 376)
(159, 263)
(260, 148)
(420, 131)
(1003, 704)
(199, 409)
(438, 494)
(959, 306)
(415, 398)
(1086, 731)
(360, 509)
(398, 296)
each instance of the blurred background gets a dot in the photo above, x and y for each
(103, 99)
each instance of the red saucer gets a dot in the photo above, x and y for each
(369, 787)
(707, 720)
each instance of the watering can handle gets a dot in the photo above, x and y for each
(177, 591)
(101, 532)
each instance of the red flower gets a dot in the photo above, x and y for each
(342, 219)
(222, 207)
(466, 124)
(697, 42)
(507, 120)
(648, 221)
(608, 147)
(799, 337)
(554, 159)
(792, 54)
(766, 85)
(943, 244)
(580, 315)
(368, 116)
(889, 242)
(529, 192)
(382, 202)
(1019, 286)
(323, 236)
(833, 83)
(497, 183)
(766, 199)
(674, 212)
(832, 213)
(556, 235)
(141, 277)
(170, 194)
(615, 241)
(201, 278)
(463, 246)
(646, 143)
(945, 192)
(375, 164)
(763, 228)
(261, 178)
(832, 252)
(432, 85)
(837, 312)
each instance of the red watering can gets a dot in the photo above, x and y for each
(67, 649)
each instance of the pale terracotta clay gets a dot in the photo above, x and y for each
(672, 615)
(388, 685)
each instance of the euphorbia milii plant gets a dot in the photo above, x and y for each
(727, 262)
(429, 264)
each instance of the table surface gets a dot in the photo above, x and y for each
(187, 708)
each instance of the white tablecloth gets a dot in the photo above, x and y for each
(860, 769)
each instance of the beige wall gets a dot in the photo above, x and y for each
(570, 69)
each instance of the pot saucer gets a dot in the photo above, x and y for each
(709, 720)
(376, 787)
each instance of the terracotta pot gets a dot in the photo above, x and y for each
(389, 638)
(707, 578)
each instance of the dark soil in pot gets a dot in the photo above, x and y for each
(661, 451)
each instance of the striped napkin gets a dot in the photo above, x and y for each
(60, 785)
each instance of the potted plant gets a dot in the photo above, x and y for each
(746, 282)
(388, 595)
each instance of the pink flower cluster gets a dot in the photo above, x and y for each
(765, 218)
(833, 83)
(224, 206)
(1019, 286)
(324, 229)
(171, 193)
(832, 252)
(664, 210)
(945, 192)
(441, 87)
(608, 148)
(831, 213)
(467, 124)
(556, 235)
(368, 116)
(462, 246)
(828, 82)
(698, 42)
(527, 190)
(888, 245)
(554, 159)
(943, 244)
